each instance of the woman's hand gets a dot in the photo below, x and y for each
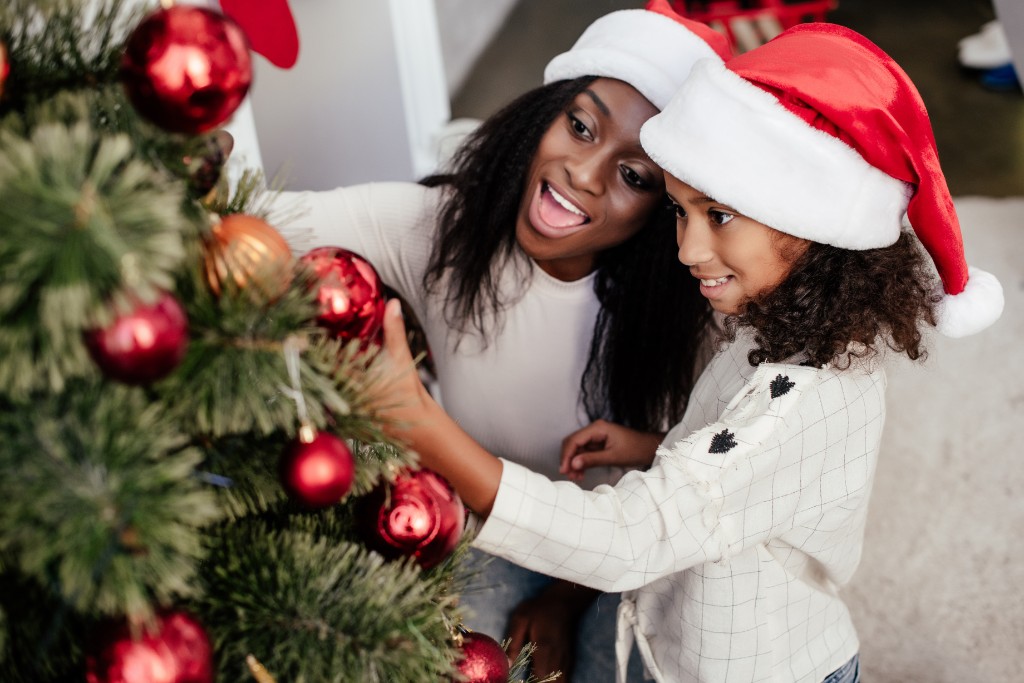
(603, 443)
(550, 621)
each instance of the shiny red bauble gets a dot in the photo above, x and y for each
(418, 515)
(186, 68)
(317, 470)
(5, 67)
(349, 292)
(142, 345)
(483, 660)
(177, 651)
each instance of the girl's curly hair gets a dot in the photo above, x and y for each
(834, 296)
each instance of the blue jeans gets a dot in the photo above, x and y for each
(847, 673)
(499, 586)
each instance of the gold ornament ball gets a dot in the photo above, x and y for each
(247, 251)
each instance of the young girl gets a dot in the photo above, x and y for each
(791, 168)
(536, 266)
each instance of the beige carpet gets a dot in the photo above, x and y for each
(939, 596)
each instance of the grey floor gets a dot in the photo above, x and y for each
(980, 133)
(939, 596)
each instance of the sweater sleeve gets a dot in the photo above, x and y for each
(392, 225)
(791, 452)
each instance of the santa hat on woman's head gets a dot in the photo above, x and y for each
(820, 134)
(652, 49)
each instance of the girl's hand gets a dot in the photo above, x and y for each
(603, 443)
(410, 414)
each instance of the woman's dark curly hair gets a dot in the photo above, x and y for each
(835, 296)
(647, 335)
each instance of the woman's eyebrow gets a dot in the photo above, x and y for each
(598, 102)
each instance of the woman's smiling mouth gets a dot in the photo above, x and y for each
(554, 215)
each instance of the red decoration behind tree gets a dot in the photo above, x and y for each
(419, 515)
(143, 345)
(270, 27)
(350, 294)
(187, 69)
(177, 651)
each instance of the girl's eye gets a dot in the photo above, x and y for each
(578, 127)
(678, 210)
(719, 217)
(633, 178)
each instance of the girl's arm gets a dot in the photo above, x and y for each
(791, 454)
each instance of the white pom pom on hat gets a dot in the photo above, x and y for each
(818, 133)
(652, 49)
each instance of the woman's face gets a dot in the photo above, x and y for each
(734, 257)
(590, 186)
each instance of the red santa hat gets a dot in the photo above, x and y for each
(820, 134)
(652, 49)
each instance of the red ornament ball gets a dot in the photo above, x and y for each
(5, 67)
(317, 470)
(418, 515)
(142, 345)
(349, 292)
(186, 68)
(177, 651)
(483, 660)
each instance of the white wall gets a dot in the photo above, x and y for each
(467, 27)
(369, 96)
(357, 100)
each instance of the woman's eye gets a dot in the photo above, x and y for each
(579, 127)
(634, 178)
(720, 217)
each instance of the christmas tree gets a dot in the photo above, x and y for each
(194, 482)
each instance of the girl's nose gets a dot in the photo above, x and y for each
(694, 244)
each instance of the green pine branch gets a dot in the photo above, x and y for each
(55, 45)
(100, 500)
(320, 610)
(86, 225)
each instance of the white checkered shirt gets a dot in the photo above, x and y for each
(732, 547)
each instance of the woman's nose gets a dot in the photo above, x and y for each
(588, 171)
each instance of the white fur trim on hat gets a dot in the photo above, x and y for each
(736, 143)
(648, 50)
(972, 310)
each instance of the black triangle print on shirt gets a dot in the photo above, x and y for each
(781, 385)
(722, 442)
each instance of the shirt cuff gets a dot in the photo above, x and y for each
(508, 505)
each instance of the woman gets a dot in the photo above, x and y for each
(537, 267)
(791, 169)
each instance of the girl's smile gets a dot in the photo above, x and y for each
(734, 257)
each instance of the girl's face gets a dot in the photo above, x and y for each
(734, 257)
(590, 186)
